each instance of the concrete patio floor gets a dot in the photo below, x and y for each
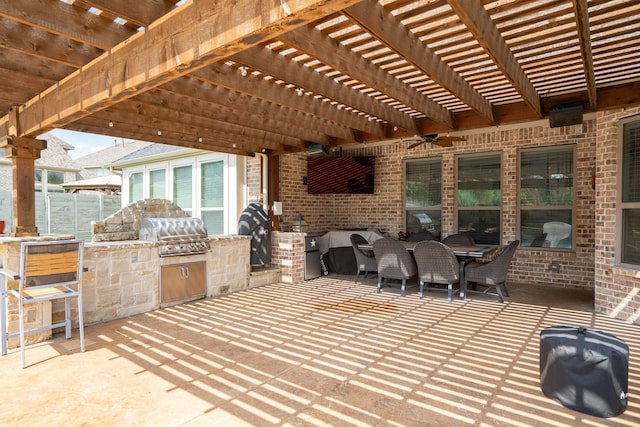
(326, 352)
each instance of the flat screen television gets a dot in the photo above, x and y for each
(340, 175)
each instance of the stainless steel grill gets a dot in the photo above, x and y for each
(176, 236)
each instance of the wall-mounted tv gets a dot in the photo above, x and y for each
(340, 175)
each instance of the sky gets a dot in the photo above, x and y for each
(84, 143)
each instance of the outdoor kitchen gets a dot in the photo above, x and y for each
(151, 254)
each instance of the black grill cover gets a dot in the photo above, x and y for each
(254, 222)
(585, 370)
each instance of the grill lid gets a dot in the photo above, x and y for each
(176, 236)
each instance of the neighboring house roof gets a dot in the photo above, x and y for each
(107, 184)
(100, 159)
(152, 150)
(103, 158)
(155, 152)
(56, 155)
(123, 154)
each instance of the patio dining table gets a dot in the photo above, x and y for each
(464, 253)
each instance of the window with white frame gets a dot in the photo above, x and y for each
(629, 193)
(183, 187)
(212, 196)
(158, 184)
(547, 197)
(206, 186)
(423, 195)
(478, 198)
(135, 187)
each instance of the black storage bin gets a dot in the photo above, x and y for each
(255, 222)
(585, 370)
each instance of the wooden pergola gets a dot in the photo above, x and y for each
(275, 76)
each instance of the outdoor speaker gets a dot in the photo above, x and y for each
(316, 150)
(565, 115)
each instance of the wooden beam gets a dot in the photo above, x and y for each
(297, 74)
(338, 56)
(337, 123)
(141, 13)
(581, 9)
(223, 143)
(473, 14)
(190, 37)
(41, 44)
(66, 20)
(22, 83)
(382, 24)
(217, 137)
(272, 121)
(40, 68)
(188, 124)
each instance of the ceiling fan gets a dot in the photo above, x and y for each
(442, 141)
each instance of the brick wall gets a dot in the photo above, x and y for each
(254, 190)
(617, 288)
(384, 209)
(287, 253)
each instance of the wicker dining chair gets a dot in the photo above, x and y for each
(459, 239)
(421, 236)
(492, 274)
(437, 264)
(365, 259)
(394, 262)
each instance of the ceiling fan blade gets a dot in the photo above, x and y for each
(445, 142)
(415, 144)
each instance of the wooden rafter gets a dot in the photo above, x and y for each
(584, 36)
(87, 124)
(475, 17)
(222, 139)
(70, 23)
(294, 73)
(38, 43)
(369, 70)
(269, 91)
(312, 42)
(373, 17)
(231, 107)
(166, 50)
(191, 125)
(140, 13)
